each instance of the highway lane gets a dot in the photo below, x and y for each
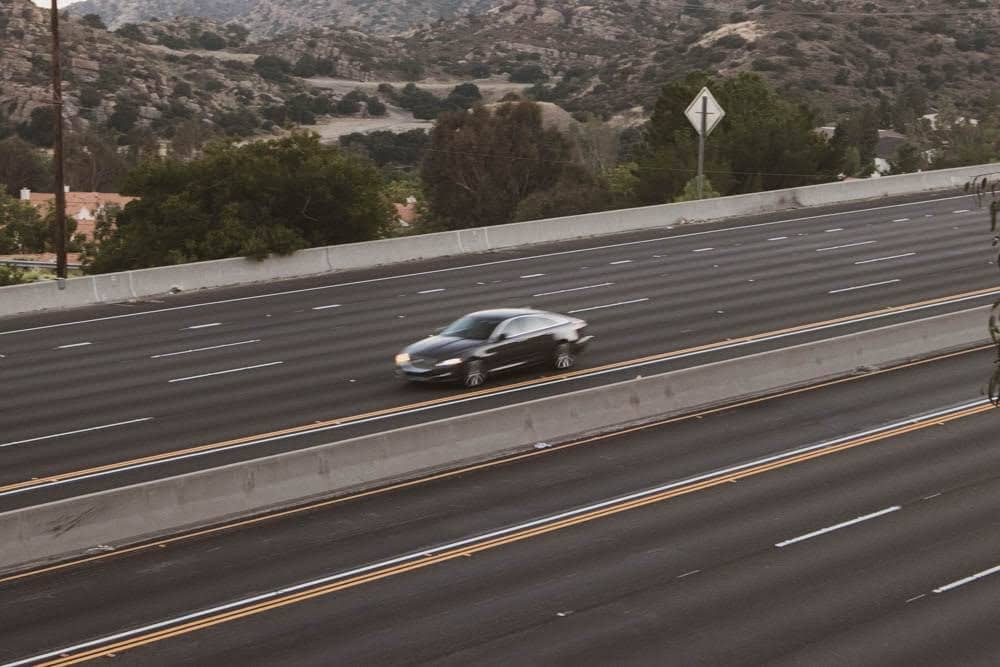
(110, 390)
(852, 523)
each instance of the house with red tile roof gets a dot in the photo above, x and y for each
(84, 207)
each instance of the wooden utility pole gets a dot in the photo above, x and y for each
(57, 149)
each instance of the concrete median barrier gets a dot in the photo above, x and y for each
(120, 516)
(315, 261)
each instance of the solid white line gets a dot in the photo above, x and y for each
(703, 249)
(431, 291)
(82, 430)
(967, 580)
(830, 529)
(621, 261)
(205, 326)
(609, 305)
(421, 554)
(232, 370)
(851, 289)
(885, 259)
(573, 289)
(66, 347)
(332, 305)
(479, 265)
(204, 349)
(778, 238)
(533, 275)
(849, 245)
(835, 229)
(901, 220)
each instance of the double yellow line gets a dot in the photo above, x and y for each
(468, 550)
(481, 393)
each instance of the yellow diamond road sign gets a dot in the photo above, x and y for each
(704, 103)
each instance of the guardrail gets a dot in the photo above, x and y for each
(32, 264)
(116, 287)
(142, 511)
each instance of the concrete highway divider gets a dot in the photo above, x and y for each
(315, 261)
(142, 511)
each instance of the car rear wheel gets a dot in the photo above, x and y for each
(562, 357)
(475, 374)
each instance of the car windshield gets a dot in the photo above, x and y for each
(473, 328)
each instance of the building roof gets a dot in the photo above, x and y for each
(82, 206)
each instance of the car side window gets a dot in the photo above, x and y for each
(514, 327)
(536, 322)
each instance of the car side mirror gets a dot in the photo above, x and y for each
(501, 336)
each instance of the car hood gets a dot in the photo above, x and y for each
(441, 347)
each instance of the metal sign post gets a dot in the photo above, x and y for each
(704, 113)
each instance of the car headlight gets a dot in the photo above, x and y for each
(402, 358)
(449, 362)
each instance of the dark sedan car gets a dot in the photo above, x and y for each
(493, 341)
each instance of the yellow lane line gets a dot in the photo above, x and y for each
(662, 356)
(326, 589)
(243, 523)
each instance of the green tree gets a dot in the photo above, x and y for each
(211, 41)
(480, 165)
(40, 127)
(94, 21)
(908, 159)
(12, 275)
(764, 142)
(576, 192)
(90, 97)
(690, 192)
(92, 162)
(272, 68)
(22, 230)
(464, 96)
(125, 115)
(305, 66)
(251, 200)
(23, 166)
(532, 73)
(385, 147)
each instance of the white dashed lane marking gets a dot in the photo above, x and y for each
(66, 347)
(205, 326)
(609, 305)
(431, 291)
(849, 245)
(573, 289)
(332, 305)
(226, 372)
(857, 287)
(886, 259)
(204, 349)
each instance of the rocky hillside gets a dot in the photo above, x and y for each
(607, 55)
(268, 18)
(123, 85)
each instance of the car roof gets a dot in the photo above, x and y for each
(506, 313)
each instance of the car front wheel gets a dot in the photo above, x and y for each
(475, 374)
(562, 357)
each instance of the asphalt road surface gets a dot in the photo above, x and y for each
(853, 523)
(114, 394)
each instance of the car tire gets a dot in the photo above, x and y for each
(475, 373)
(563, 357)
